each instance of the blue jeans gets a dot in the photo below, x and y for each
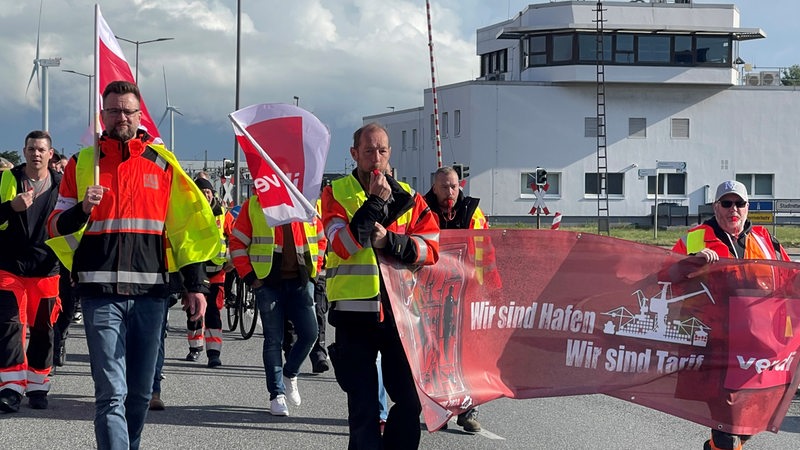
(123, 335)
(160, 359)
(292, 300)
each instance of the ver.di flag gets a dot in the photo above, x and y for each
(585, 314)
(285, 148)
(111, 65)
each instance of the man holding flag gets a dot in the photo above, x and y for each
(365, 214)
(111, 225)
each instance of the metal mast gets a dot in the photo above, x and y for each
(602, 157)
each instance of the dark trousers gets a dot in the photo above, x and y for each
(353, 356)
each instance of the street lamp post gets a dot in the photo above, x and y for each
(296, 100)
(138, 43)
(89, 77)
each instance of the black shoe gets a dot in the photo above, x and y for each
(60, 355)
(320, 366)
(193, 355)
(213, 358)
(10, 400)
(469, 421)
(37, 399)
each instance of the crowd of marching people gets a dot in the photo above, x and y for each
(120, 231)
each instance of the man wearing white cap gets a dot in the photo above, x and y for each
(729, 235)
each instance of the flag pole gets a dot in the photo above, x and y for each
(289, 185)
(96, 82)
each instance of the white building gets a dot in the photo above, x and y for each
(675, 90)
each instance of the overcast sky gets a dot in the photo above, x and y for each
(344, 59)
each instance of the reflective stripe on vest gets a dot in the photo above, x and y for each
(8, 190)
(189, 223)
(262, 245)
(215, 264)
(354, 283)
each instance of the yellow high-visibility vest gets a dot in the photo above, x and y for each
(262, 245)
(355, 278)
(8, 190)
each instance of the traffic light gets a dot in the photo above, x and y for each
(541, 176)
(462, 170)
(227, 167)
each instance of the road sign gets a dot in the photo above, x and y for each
(647, 173)
(679, 166)
(761, 206)
(787, 205)
(761, 217)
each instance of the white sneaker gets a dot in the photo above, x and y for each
(290, 384)
(277, 406)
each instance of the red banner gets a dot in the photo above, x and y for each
(571, 314)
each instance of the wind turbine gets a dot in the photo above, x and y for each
(171, 110)
(44, 63)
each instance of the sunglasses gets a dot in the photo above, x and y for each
(728, 203)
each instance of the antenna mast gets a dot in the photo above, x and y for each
(433, 90)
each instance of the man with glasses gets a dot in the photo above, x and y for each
(729, 235)
(119, 236)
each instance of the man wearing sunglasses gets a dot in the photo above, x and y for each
(730, 235)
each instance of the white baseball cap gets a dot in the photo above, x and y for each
(731, 187)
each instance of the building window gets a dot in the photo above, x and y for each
(680, 129)
(553, 184)
(562, 48)
(433, 127)
(678, 50)
(414, 139)
(757, 184)
(615, 183)
(404, 140)
(637, 127)
(414, 183)
(587, 48)
(590, 127)
(713, 49)
(494, 62)
(682, 52)
(535, 51)
(457, 122)
(445, 124)
(624, 50)
(668, 184)
(653, 49)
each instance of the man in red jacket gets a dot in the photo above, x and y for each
(730, 235)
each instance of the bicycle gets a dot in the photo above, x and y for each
(246, 308)
(232, 301)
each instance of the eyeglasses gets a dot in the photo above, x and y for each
(117, 111)
(728, 203)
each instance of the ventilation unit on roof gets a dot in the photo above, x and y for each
(752, 79)
(770, 78)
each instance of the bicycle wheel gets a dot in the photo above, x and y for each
(248, 313)
(231, 305)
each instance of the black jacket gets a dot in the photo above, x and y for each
(464, 209)
(22, 248)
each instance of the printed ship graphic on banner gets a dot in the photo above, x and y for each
(653, 320)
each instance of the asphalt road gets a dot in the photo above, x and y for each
(225, 408)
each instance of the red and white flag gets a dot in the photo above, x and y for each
(111, 65)
(286, 148)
